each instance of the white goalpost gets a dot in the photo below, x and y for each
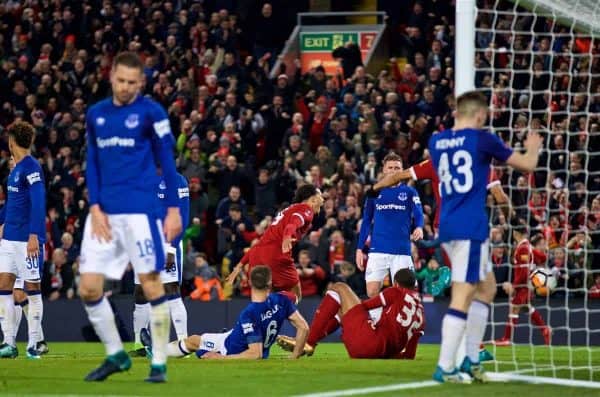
(538, 61)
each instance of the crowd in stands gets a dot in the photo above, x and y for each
(245, 141)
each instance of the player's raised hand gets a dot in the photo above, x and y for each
(417, 234)
(100, 225)
(533, 142)
(172, 223)
(234, 274)
(286, 245)
(360, 260)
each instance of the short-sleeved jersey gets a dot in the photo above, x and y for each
(424, 170)
(25, 209)
(523, 263)
(403, 317)
(274, 234)
(462, 161)
(183, 197)
(124, 145)
(260, 322)
(389, 219)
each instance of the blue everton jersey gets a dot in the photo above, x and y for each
(260, 322)
(462, 161)
(183, 199)
(389, 219)
(25, 209)
(124, 144)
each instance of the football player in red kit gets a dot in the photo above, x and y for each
(395, 335)
(274, 249)
(526, 257)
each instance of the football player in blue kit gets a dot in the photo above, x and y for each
(461, 157)
(255, 330)
(127, 135)
(22, 234)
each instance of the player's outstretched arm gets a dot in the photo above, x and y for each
(527, 161)
(301, 333)
(392, 179)
(254, 352)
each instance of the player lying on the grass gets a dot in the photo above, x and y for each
(170, 276)
(395, 335)
(527, 256)
(274, 248)
(255, 329)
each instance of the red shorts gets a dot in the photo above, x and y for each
(521, 296)
(283, 272)
(359, 336)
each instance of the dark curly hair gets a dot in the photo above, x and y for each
(23, 133)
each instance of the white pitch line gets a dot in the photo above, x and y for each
(374, 389)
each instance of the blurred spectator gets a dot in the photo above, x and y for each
(57, 279)
(206, 282)
(234, 197)
(435, 278)
(355, 280)
(311, 276)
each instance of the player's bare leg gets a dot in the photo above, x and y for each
(338, 300)
(373, 288)
(160, 324)
(477, 318)
(8, 349)
(102, 318)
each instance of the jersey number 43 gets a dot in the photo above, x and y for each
(459, 177)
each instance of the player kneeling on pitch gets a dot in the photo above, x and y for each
(395, 335)
(254, 332)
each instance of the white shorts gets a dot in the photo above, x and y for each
(379, 265)
(19, 283)
(172, 275)
(213, 343)
(469, 259)
(136, 239)
(14, 260)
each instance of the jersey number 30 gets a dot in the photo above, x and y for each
(462, 163)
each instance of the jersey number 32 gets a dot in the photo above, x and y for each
(459, 181)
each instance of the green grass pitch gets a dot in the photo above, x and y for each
(62, 371)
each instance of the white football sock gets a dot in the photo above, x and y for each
(177, 349)
(453, 329)
(178, 317)
(141, 319)
(7, 317)
(103, 320)
(160, 328)
(35, 312)
(476, 323)
(19, 308)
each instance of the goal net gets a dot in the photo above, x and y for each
(538, 61)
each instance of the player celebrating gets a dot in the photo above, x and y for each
(462, 157)
(127, 135)
(274, 249)
(170, 276)
(255, 329)
(388, 219)
(395, 335)
(525, 259)
(22, 234)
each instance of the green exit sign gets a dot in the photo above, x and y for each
(326, 42)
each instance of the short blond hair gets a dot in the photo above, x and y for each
(469, 103)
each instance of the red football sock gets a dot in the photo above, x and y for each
(537, 319)
(513, 320)
(324, 318)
